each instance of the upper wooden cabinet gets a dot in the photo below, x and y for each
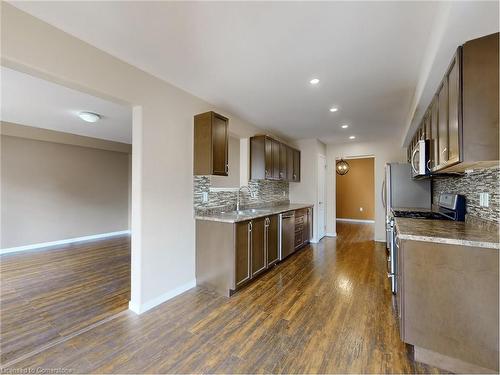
(210, 144)
(273, 160)
(462, 119)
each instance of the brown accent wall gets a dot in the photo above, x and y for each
(357, 189)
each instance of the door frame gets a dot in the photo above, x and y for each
(347, 157)
(321, 159)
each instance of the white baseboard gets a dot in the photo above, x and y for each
(62, 242)
(331, 234)
(356, 220)
(139, 309)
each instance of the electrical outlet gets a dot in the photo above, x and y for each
(205, 196)
(484, 199)
(361, 209)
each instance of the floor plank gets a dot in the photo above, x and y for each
(326, 309)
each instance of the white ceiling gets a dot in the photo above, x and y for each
(255, 59)
(31, 101)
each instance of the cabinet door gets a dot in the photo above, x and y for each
(283, 165)
(427, 125)
(243, 241)
(289, 163)
(258, 258)
(434, 147)
(276, 159)
(443, 124)
(454, 112)
(296, 166)
(272, 239)
(219, 145)
(269, 158)
(308, 225)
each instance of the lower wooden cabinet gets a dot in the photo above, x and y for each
(271, 241)
(258, 246)
(242, 252)
(229, 255)
(303, 226)
(448, 303)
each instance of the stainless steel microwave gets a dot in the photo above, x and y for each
(420, 162)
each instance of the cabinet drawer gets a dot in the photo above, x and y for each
(299, 220)
(298, 239)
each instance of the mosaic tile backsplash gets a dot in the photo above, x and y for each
(264, 193)
(470, 185)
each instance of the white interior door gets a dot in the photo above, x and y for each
(321, 197)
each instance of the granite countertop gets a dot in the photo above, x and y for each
(469, 233)
(233, 217)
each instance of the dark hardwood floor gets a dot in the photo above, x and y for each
(326, 309)
(50, 294)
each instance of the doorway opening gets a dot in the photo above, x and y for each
(66, 178)
(355, 192)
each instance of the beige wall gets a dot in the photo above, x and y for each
(384, 152)
(356, 189)
(306, 191)
(53, 191)
(163, 235)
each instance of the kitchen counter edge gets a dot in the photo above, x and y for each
(232, 218)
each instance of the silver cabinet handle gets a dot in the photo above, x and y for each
(413, 159)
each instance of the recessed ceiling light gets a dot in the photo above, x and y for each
(334, 109)
(352, 137)
(314, 81)
(89, 116)
(345, 126)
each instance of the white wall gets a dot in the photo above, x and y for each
(384, 152)
(163, 240)
(306, 191)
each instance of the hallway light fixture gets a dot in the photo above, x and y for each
(342, 167)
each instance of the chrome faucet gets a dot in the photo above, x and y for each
(238, 196)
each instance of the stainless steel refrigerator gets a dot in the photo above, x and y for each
(401, 191)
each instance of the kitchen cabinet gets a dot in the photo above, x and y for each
(275, 147)
(210, 144)
(242, 251)
(289, 163)
(271, 240)
(283, 174)
(296, 166)
(258, 245)
(443, 124)
(460, 303)
(464, 114)
(302, 227)
(454, 112)
(229, 255)
(434, 149)
(273, 160)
